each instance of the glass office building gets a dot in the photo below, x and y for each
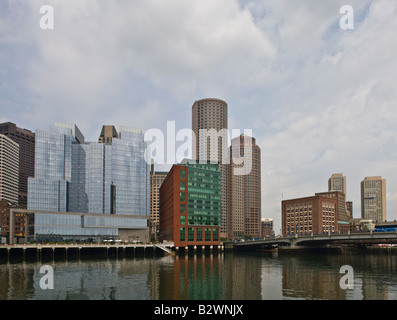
(72, 175)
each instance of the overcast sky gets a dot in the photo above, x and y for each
(319, 99)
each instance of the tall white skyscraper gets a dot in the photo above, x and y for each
(373, 199)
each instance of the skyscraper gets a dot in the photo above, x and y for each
(26, 142)
(373, 199)
(9, 169)
(244, 188)
(337, 182)
(72, 175)
(210, 126)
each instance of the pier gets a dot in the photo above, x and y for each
(83, 249)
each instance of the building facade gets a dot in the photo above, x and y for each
(72, 175)
(267, 228)
(26, 141)
(373, 199)
(337, 182)
(9, 169)
(344, 215)
(190, 205)
(210, 143)
(316, 214)
(244, 188)
(156, 180)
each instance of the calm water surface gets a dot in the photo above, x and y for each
(245, 276)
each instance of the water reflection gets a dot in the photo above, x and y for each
(207, 276)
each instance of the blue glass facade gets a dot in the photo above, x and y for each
(74, 176)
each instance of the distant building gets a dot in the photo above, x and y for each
(106, 185)
(349, 208)
(244, 189)
(108, 133)
(190, 205)
(156, 180)
(267, 228)
(26, 141)
(373, 199)
(337, 182)
(9, 169)
(316, 214)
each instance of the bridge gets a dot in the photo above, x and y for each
(318, 241)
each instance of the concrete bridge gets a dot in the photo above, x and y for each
(318, 241)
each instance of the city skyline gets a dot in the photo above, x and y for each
(319, 100)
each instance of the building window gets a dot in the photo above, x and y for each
(190, 235)
(207, 234)
(199, 234)
(182, 234)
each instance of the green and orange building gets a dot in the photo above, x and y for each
(190, 205)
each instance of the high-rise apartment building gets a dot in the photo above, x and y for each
(26, 142)
(9, 169)
(156, 180)
(190, 205)
(210, 143)
(337, 182)
(373, 199)
(107, 179)
(244, 193)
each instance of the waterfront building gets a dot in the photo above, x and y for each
(244, 189)
(9, 169)
(315, 214)
(156, 180)
(190, 205)
(26, 141)
(210, 143)
(343, 214)
(92, 179)
(373, 199)
(19, 221)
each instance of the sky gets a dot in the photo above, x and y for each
(319, 99)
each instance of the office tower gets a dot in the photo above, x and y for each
(108, 133)
(26, 142)
(316, 214)
(9, 169)
(373, 199)
(190, 205)
(72, 175)
(337, 182)
(210, 126)
(244, 191)
(156, 180)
